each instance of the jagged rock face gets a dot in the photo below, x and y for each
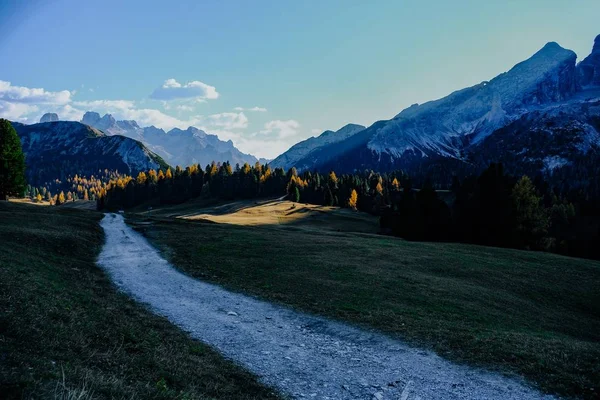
(57, 149)
(544, 140)
(589, 69)
(49, 117)
(106, 123)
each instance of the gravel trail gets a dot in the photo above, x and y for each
(301, 355)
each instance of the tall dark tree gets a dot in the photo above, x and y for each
(12, 162)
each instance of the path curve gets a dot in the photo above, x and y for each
(301, 355)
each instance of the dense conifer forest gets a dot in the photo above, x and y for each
(493, 208)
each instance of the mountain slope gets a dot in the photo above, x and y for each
(54, 150)
(547, 87)
(177, 147)
(301, 149)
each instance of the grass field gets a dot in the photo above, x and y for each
(66, 333)
(534, 314)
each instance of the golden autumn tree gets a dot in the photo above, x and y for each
(141, 178)
(353, 200)
(395, 184)
(61, 198)
(333, 180)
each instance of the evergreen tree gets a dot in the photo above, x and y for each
(12, 162)
(530, 216)
(328, 197)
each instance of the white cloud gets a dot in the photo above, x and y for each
(183, 107)
(27, 105)
(228, 120)
(20, 94)
(105, 104)
(194, 90)
(254, 109)
(280, 129)
(16, 111)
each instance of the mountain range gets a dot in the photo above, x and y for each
(57, 149)
(542, 114)
(177, 146)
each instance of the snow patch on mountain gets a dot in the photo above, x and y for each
(553, 162)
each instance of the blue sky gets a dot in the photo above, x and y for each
(266, 74)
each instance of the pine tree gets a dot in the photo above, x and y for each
(12, 162)
(328, 200)
(531, 219)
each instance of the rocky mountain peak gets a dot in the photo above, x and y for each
(90, 118)
(588, 70)
(49, 117)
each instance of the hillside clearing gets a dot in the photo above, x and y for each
(277, 212)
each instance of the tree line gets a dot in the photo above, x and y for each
(218, 180)
(493, 208)
(72, 188)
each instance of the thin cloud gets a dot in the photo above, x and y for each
(195, 90)
(253, 109)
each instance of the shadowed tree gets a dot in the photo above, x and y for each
(12, 162)
(531, 218)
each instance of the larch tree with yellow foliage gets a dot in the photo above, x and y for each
(61, 199)
(141, 178)
(353, 200)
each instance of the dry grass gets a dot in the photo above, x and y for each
(280, 213)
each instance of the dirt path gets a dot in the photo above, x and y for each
(301, 355)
